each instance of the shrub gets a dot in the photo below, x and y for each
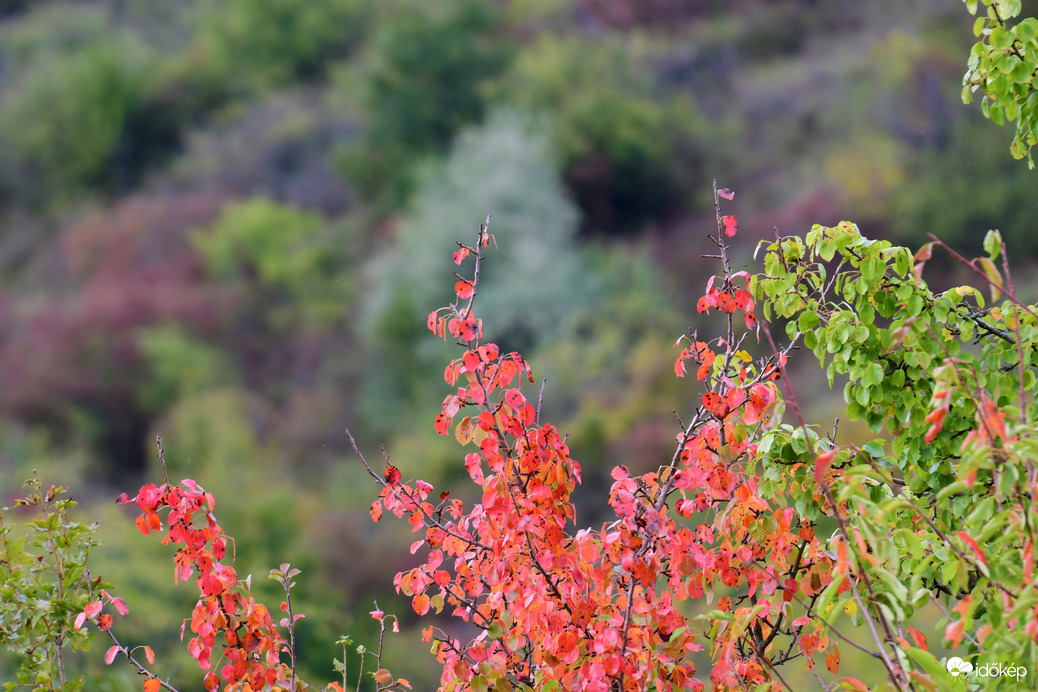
(62, 122)
(264, 42)
(421, 81)
(626, 156)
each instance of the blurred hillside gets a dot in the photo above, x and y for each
(225, 221)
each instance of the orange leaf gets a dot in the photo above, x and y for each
(716, 405)
(153, 685)
(832, 661)
(974, 546)
(463, 289)
(953, 633)
(963, 606)
(679, 365)
(421, 604)
(918, 637)
(823, 462)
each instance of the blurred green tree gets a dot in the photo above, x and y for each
(419, 82)
(285, 253)
(259, 43)
(965, 188)
(61, 123)
(628, 151)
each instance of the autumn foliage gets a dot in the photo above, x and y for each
(758, 546)
(600, 608)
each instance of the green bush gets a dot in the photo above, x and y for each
(259, 43)
(419, 82)
(287, 255)
(61, 123)
(627, 151)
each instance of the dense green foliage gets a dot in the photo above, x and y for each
(44, 584)
(943, 496)
(420, 82)
(1002, 65)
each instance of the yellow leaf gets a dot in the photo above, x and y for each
(850, 607)
(994, 277)
(463, 431)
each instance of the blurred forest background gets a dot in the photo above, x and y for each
(225, 221)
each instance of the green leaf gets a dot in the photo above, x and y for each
(934, 667)
(873, 269)
(874, 374)
(1027, 29)
(993, 243)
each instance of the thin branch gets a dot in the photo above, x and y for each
(540, 401)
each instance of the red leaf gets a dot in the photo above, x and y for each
(973, 544)
(731, 226)
(111, 654)
(514, 399)
(120, 605)
(463, 289)
(823, 462)
(918, 637)
(725, 193)
(471, 361)
(92, 609)
(391, 475)
(713, 403)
